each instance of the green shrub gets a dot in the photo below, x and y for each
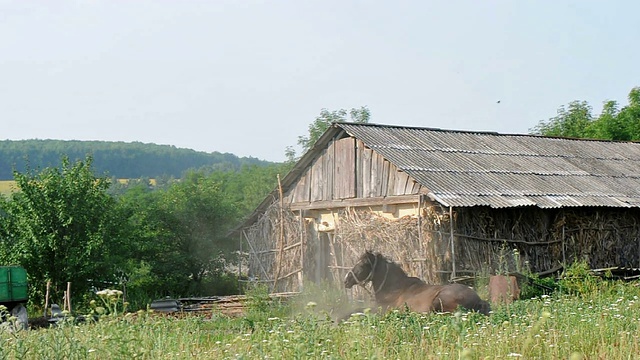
(537, 286)
(577, 279)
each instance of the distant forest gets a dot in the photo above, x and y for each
(115, 159)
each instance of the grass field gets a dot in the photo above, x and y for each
(7, 186)
(600, 325)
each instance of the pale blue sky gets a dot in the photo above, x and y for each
(248, 77)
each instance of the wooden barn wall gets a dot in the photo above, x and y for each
(347, 169)
(278, 249)
(486, 241)
(491, 241)
(539, 240)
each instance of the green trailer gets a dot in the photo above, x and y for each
(14, 292)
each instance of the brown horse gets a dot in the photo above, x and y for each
(392, 288)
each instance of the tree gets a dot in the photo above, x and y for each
(609, 124)
(322, 123)
(250, 185)
(612, 124)
(181, 233)
(62, 226)
(571, 121)
(630, 114)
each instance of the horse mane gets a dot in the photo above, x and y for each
(394, 268)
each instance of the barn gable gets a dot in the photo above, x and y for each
(445, 203)
(347, 169)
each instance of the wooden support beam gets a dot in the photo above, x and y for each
(376, 201)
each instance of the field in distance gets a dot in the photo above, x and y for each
(9, 186)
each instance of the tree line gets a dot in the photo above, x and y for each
(119, 159)
(64, 225)
(74, 222)
(576, 120)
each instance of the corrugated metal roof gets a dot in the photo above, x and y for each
(463, 168)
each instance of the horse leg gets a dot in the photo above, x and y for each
(455, 295)
(471, 301)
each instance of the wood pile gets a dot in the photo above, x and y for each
(232, 305)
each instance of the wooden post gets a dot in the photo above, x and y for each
(240, 266)
(124, 292)
(255, 254)
(564, 257)
(69, 296)
(302, 237)
(453, 249)
(319, 257)
(420, 245)
(280, 238)
(46, 298)
(332, 249)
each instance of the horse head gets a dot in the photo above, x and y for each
(362, 272)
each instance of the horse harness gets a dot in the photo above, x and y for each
(370, 277)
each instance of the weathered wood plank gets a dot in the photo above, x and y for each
(409, 186)
(393, 179)
(316, 183)
(328, 172)
(401, 182)
(301, 191)
(372, 201)
(378, 171)
(366, 172)
(349, 167)
(339, 173)
(344, 175)
(358, 167)
(385, 177)
(415, 187)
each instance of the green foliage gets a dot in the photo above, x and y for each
(509, 260)
(577, 121)
(63, 227)
(598, 326)
(260, 307)
(322, 123)
(122, 160)
(249, 186)
(537, 286)
(179, 244)
(578, 279)
(258, 299)
(154, 241)
(112, 302)
(573, 121)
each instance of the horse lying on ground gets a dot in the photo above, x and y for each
(392, 288)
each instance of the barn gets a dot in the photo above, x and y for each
(446, 204)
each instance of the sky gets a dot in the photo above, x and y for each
(249, 77)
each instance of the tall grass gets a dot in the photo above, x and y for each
(596, 325)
